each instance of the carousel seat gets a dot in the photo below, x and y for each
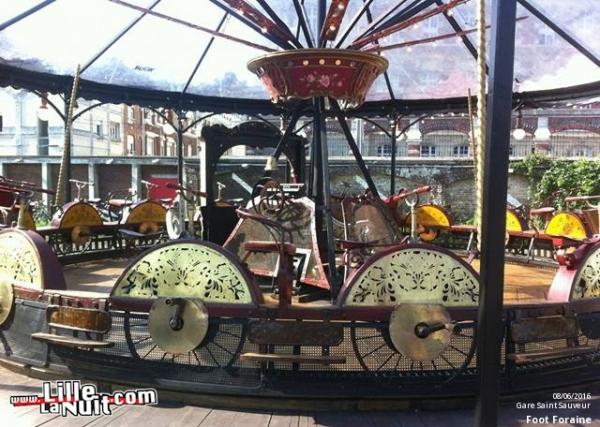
(546, 210)
(264, 246)
(294, 358)
(72, 342)
(119, 203)
(463, 228)
(542, 330)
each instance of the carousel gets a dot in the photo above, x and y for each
(302, 294)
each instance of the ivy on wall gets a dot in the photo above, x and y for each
(550, 181)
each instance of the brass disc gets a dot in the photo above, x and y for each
(192, 330)
(80, 234)
(148, 227)
(7, 298)
(403, 323)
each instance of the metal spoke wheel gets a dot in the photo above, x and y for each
(175, 221)
(268, 197)
(375, 352)
(219, 349)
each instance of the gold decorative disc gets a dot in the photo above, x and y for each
(7, 298)
(178, 334)
(403, 330)
(80, 234)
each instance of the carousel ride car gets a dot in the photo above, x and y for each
(398, 321)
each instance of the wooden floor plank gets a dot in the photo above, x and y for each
(396, 419)
(283, 419)
(225, 418)
(346, 419)
(456, 418)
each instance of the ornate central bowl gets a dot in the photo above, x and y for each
(342, 74)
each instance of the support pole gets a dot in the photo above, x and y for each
(353, 147)
(490, 326)
(180, 118)
(394, 125)
(323, 213)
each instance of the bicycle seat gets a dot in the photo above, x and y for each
(119, 203)
(165, 201)
(95, 201)
(542, 211)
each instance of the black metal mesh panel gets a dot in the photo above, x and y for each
(15, 336)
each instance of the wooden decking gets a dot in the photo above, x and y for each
(173, 414)
(523, 283)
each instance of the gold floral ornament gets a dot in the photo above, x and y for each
(414, 275)
(19, 263)
(587, 281)
(191, 270)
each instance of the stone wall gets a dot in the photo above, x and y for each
(452, 180)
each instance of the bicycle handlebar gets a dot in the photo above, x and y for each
(19, 189)
(404, 194)
(189, 190)
(149, 184)
(580, 198)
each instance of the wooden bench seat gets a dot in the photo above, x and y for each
(543, 329)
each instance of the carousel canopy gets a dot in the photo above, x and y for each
(194, 54)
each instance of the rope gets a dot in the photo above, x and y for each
(67, 144)
(481, 114)
(472, 142)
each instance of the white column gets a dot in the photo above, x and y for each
(92, 180)
(136, 176)
(45, 182)
(1, 169)
(202, 165)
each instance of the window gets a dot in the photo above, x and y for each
(100, 129)
(581, 151)
(511, 150)
(130, 114)
(427, 150)
(460, 150)
(149, 146)
(114, 130)
(130, 145)
(384, 150)
(189, 150)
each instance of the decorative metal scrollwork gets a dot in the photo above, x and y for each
(186, 269)
(19, 262)
(587, 280)
(413, 274)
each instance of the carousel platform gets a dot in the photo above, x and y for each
(524, 283)
(173, 412)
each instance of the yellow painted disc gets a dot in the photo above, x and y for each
(566, 224)
(513, 223)
(430, 216)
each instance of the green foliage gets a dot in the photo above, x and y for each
(550, 181)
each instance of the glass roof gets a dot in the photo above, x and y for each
(171, 47)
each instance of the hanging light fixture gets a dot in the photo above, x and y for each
(43, 112)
